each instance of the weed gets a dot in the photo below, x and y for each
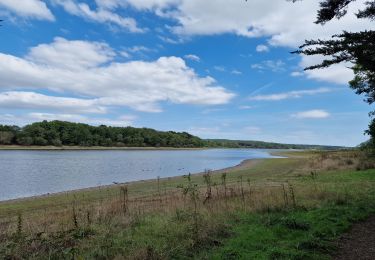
(74, 216)
(208, 182)
(125, 198)
(292, 195)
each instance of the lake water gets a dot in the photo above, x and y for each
(30, 173)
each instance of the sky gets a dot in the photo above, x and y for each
(214, 68)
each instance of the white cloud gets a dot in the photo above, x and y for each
(291, 94)
(138, 4)
(178, 40)
(273, 65)
(139, 48)
(71, 54)
(125, 54)
(283, 22)
(36, 9)
(296, 74)
(236, 72)
(220, 68)
(339, 73)
(101, 15)
(262, 48)
(32, 100)
(192, 57)
(256, 18)
(140, 85)
(312, 114)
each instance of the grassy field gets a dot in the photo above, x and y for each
(290, 208)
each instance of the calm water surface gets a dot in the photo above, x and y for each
(30, 173)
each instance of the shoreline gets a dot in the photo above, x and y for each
(243, 165)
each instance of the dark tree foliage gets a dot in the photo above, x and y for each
(355, 48)
(59, 133)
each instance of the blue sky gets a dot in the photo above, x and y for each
(214, 69)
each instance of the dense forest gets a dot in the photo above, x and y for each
(59, 133)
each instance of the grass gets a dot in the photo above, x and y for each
(289, 208)
(297, 234)
(303, 232)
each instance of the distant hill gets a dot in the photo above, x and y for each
(61, 133)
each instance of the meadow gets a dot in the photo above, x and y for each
(289, 208)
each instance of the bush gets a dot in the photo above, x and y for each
(25, 140)
(6, 137)
(56, 142)
(40, 141)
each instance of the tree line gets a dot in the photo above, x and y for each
(60, 133)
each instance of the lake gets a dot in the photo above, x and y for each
(30, 173)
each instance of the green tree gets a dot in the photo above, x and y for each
(357, 48)
(25, 140)
(59, 133)
(6, 137)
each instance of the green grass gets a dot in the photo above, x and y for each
(299, 234)
(302, 233)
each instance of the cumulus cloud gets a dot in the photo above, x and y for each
(338, 73)
(32, 100)
(71, 54)
(312, 114)
(262, 48)
(101, 15)
(89, 71)
(289, 95)
(36, 9)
